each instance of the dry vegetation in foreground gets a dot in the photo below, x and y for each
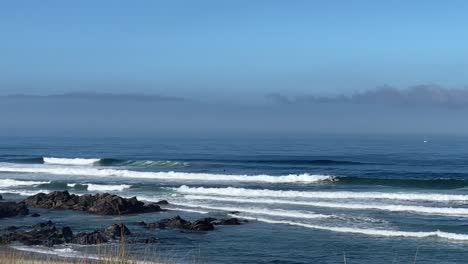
(117, 256)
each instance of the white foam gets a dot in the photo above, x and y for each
(370, 232)
(60, 252)
(385, 207)
(171, 175)
(188, 210)
(242, 192)
(23, 192)
(65, 161)
(103, 188)
(5, 183)
(261, 211)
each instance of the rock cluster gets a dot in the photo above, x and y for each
(204, 224)
(9, 209)
(102, 204)
(48, 234)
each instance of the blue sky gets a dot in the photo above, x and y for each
(230, 49)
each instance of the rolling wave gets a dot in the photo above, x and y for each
(431, 183)
(100, 162)
(283, 161)
(100, 187)
(385, 207)
(6, 183)
(65, 161)
(169, 176)
(142, 163)
(370, 232)
(242, 192)
(261, 211)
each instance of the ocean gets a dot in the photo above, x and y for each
(308, 199)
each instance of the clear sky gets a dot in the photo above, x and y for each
(230, 48)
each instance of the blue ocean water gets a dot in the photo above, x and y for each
(308, 199)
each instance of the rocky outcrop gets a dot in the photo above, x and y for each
(102, 204)
(204, 224)
(48, 234)
(9, 209)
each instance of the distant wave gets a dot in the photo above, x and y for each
(261, 211)
(100, 162)
(284, 161)
(354, 206)
(65, 161)
(100, 187)
(370, 232)
(242, 192)
(434, 183)
(142, 163)
(170, 176)
(5, 183)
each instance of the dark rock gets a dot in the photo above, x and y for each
(102, 204)
(35, 215)
(117, 230)
(175, 222)
(9, 209)
(93, 238)
(202, 225)
(1, 197)
(46, 234)
(162, 202)
(228, 221)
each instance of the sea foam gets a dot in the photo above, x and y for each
(353, 206)
(171, 175)
(243, 192)
(370, 232)
(73, 161)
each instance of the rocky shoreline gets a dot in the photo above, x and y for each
(50, 234)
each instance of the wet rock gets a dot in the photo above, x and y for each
(177, 222)
(228, 221)
(1, 197)
(46, 234)
(117, 230)
(35, 215)
(202, 225)
(162, 202)
(93, 238)
(10, 209)
(102, 204)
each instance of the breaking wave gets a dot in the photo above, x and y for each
(170, 176)
(65, 161)
(242, 192)
(6, 183)
(261, 211)
(385, 207)
(370, 232)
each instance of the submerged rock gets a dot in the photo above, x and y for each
(102, 204)
(117, 230)
(46, 234)
(229, 221)
(92, 238)
(204, 224)
(10, 209)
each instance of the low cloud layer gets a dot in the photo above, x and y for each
(371, 112)
(422, 95)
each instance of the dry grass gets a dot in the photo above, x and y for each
(114, 255)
